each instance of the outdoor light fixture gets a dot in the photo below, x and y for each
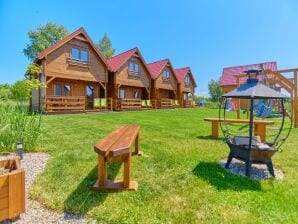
(20, 147)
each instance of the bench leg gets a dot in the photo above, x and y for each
(215, 125)
(102, 171)
(137, 146)
(126, 180)
(260, 129)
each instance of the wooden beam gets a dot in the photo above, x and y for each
(102, 85)
(50, 80)
(288, 70)
(295, 98)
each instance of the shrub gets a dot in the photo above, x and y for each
(212, 105)
(17, 124)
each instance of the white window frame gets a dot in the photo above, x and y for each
(166, 74)
(135, 68)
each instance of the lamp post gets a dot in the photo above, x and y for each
(20, 147)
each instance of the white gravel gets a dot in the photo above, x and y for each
(258, 171)
(34, 163)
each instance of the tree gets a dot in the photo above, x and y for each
(215, 91)
(21, 90)
(105, 46)
(43, 37)
(33, 70)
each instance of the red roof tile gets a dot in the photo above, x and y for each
(117, 61)
(69, 37)
(182, 72)
(228, 74)
(156, 67)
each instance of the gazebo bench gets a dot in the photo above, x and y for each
(259, 126)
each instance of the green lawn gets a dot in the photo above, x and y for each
(179, 178)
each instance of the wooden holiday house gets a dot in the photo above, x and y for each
(75, 73)
(186, 87)
(129, 80)
(164, 84)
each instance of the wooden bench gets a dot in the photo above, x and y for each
(116, 148)
(259, 126)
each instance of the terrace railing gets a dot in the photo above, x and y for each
(189, 103)
(166, 103)
(128, 104)
(64, 103)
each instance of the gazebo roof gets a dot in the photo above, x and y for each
(254, 89)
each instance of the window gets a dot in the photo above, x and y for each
(121, 94)
(84, 56)
(166, 75)
(187, 80)
(136, 94)
(57, 90)
(62, 90)
(75, 54)
(79, 55)
(133, 68)
(66, 90)
(90, 92)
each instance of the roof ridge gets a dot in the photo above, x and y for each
(166, 59)
(187, 67)
(251, 64)
(135, 48)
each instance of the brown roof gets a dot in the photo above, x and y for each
(69, 37)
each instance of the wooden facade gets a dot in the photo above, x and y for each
(67, 74)
(129, 78)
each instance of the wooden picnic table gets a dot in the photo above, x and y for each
(116, 148)
(259, 126)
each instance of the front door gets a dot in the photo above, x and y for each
(89, 97)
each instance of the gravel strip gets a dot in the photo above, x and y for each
(258, 171)
(34, 163)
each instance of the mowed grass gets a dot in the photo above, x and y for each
(179, 178)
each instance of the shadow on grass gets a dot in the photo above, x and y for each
(209, 137)
(215, 175)
(83, 199)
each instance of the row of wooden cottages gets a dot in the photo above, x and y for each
(78, 77)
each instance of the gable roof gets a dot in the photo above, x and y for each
(228, 74)
(117, 61)
(66, 39)
(182, 72)
(157, 67)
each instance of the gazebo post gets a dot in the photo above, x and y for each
(251, 121)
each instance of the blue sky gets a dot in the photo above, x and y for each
(205, 35)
